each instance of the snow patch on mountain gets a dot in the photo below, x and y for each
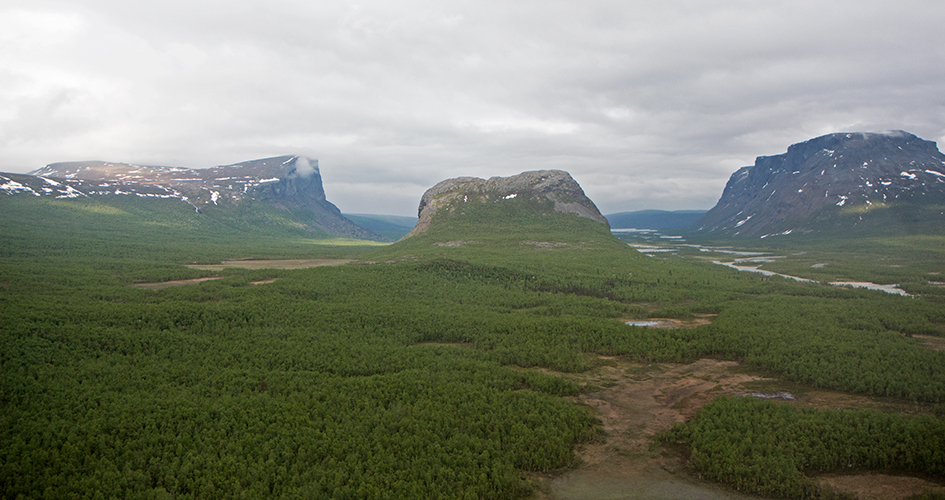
(816, 182)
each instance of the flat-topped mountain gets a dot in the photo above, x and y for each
(529, 193)
(876, 181)
(290, 184)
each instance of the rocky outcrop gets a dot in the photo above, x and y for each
(813, 184)
(292, 184)
(556, 186)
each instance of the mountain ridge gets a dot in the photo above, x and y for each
(831, 183)
(291, 184)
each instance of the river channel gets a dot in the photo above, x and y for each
(894, 289)
(651, 242)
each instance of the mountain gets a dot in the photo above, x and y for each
(654, 219)
(501, 201)
(390, 227)
(292, 185)
(867, 183)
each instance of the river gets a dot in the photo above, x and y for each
(894, 289)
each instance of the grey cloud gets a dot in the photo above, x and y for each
(648, 104)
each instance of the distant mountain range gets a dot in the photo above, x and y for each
(838, 184)
(844, 183)
(292, 185)
(390, 227)
(654, 219)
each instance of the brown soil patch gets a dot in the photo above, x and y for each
(825, 399)
(647, 399)
(271, 264)
(638, 400)
(549, 245)
(166, 284)
(933, 343)
(673, 323)
(870, 486)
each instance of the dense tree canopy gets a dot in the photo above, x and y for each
(402, 376)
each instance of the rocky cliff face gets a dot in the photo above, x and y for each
(816, 183)
(289, 183)
(555, 186)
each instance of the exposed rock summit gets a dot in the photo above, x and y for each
(815, 183)
(553, 185)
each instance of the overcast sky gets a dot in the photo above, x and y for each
(647, 104)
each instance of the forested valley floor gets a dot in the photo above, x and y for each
(457, 364)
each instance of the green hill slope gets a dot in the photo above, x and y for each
(130, 227)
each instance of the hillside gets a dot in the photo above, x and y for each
(527, 218)
(837, 184)
(238, 194)
(500, 200)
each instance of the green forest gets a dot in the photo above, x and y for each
(409, 373)
(766, 447)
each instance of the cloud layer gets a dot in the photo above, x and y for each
(647, 104)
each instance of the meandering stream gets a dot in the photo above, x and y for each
(894, 289)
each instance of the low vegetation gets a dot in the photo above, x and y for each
(400, 375)
(766, 447)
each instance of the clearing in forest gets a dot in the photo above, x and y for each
(636, 401)
(271, 264)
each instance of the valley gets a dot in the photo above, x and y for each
(510, 346)
(890, 264)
